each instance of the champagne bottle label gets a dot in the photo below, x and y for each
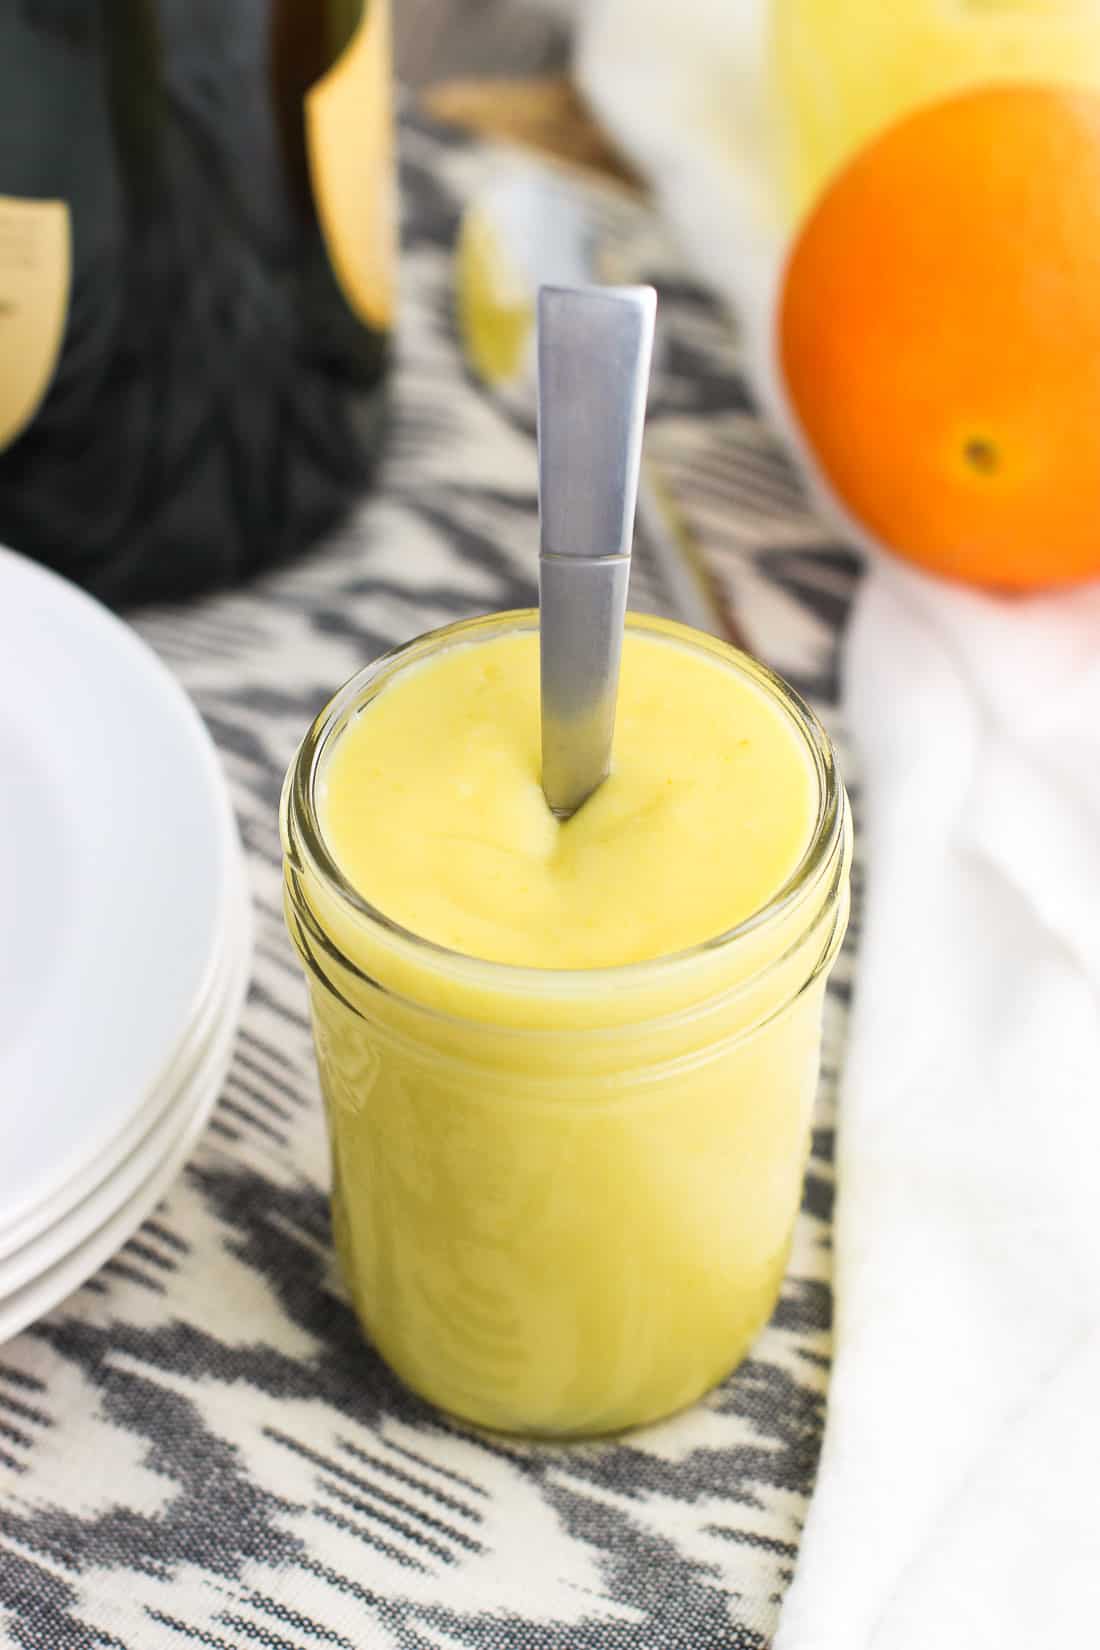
(35, 270)
(349, 136)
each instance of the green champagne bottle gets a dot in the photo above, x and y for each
(196, 272)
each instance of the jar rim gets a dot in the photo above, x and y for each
(303, 838)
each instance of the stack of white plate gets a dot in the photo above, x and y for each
(125, 935)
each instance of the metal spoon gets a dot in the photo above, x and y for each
(549, 228)
(594, 351)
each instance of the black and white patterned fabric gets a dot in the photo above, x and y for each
(199, 1448)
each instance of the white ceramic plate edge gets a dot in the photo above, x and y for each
(86, 1182)
(35, 1299)
(103, 650)
(87, 1213)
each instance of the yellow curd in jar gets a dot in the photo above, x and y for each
(568, 1067)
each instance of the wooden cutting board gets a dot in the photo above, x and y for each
(544, 112)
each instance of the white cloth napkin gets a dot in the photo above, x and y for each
(958, 1500)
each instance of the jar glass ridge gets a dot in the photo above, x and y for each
(599, 1167)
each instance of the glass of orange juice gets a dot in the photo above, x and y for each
(845, 69)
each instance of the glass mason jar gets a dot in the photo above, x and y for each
(563, 1199)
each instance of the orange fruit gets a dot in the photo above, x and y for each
(939, 335)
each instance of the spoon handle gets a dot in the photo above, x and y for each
(594, 350)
